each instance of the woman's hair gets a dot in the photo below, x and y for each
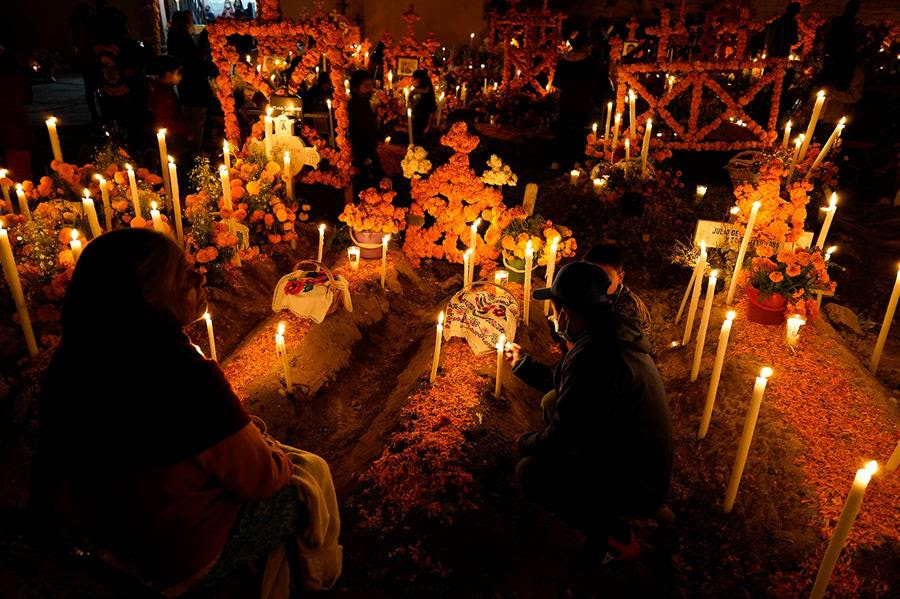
(357, 78)
(180, 20)
(422, 76)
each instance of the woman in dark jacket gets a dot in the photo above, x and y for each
(193, 91)
(144, 448)
(423, 104)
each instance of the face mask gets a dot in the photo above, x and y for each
(562, 333)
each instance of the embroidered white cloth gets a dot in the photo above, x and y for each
(479, 316)
(309, 294)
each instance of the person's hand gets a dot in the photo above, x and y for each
(512, 352)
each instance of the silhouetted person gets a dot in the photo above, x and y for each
(783, 32)
(316, 97)
(165, 108)
(193, 91)
(120, 63)
(16, 139)
(840, 49)
(423, 103)
(574, 80)
(82, 26)
(364, 133)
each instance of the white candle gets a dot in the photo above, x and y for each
(440, 108)
(501, 277)
(699, 193)
(842, 529)
(226, 154)
(391, 79)
(573, 176)
(792, 330)
(894, 460)
(281, 350)
(713, 388)
(627, 155)
(529, 257)
(164, 160)
(684, 299)
(384, 249)
(885, 325)
(135, 197)
(551, 268)
(436, 358)
(406, 93)
(157, 220)
(810, 129)
(75, 245)
(226, 188)
(501, 344)
(737, 471)
(787, 134)
(54, 139)
(594, 130)
(699, 271)
(288, 177)
(91, 213)
(211, 335)
(704, 324)
(409, 125)
(645, 147)
(615, 140)
(321, 252)
(353, 257)
(15, 286)
(797, 143)
(632, 106)
(104, 197)
(598, 186)
(473, 235)
(23, 202)
(5, 188)
(831, 139)
(330, 121)
(745, 242)
(176, 201)
(270, 125)
(829, 216)
(466, 272)
(609, 106)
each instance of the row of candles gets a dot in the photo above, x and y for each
(803, 140)
(631, 101)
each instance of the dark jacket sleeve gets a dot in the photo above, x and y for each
(534, 373)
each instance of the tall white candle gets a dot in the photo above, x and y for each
(164, 160)
(226, 154)
(894, 460)
(792, 330)
(617, 122)
(156, 218)
(632, 107)
(473, 235)
(409, 125)
(384, 249)
(176, 202)
(810, 129)
(321, 252)
(704, 324)
(787, 134)
(436, 358)
(281, 350)
(842, 529)
(54, 139)
(742, 252)
(551, 268)
(695, 295)
(687, 294)
(5, 188)
(598, 185)
(829, 216)
(76, 246)
(104, 197)
(740, 460)
(91, 214)
(713, 388)
(24, 210)
(226, 188)
(330, 121)
(15, 286)
(211, 335)
(440, 108)
(270, 125)
(529, 258)
(627, 154)
(797, 143)
(288, 177)
(885, 325)
(466, 272)
(645, 147)
(530, 199)
(498, 379)
(831, 139)
(609, 106)
(135, 197)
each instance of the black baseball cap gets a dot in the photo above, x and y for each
(579, 285)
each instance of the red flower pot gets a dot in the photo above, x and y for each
(767, 309)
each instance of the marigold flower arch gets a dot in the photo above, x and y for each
(530, 41)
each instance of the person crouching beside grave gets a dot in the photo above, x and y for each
(145, 450)
(605, 454)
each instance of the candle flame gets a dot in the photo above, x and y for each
(322, 229)
(529, 248)
(735, 209)
(649, 123)
(281, 328)
(441, 318)
(100, 179)
(832, 201)
(18, 187)
(207, 317)
(222, 170)
(128, 167)
(51, 120)
(730, 315)
(475, 225)
(714, 273)
(701, 189)
(575, 172)
(501, 342)
(703, 246)
(172, 159)
(287, 156)
(821, 94)
(87, 193)
(788, 125)
(74, 234)
(618, 117)
(871, 467)
(386, 239)
(3, 172)
(594, 128)
(831, 250)
(765, 373)
(268, 111)
(328, 102)
(409, 112)
(153, 205)
(161, 132)
(843, 121)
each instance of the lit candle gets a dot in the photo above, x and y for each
(787, 134)
(91, 213)
(322, 228)
(330, 121)
(632, 106)
(212, 337)
(699, 270)
(75, 245)
(435, 360)
(104, 197)
(828, 253)
(699, 193)
(551, 268)
(409, 125)
(810, 129)
(406, 93)
(573, 176)
(135, 197)
(829, 216)
(390, 79)
(226, 188)
(617, 122)
(5, 188)
(627, 154)
(831, 139)
(226, 154)
(739, 262)
(501, 277)
(54, 139)
(529, 257)
(609, 106)
(157, 220)
(740, 459)
(842, 528)
(885, 325)
(288, 177)
(281, 350)
(176, 200)
(163, 160)
(15, 286)
(716, 374)
(473, 235)
(384, 248)
(23, 202)
(440, 108)
(792, 330)
(463, 95)
(353, 257)
(645, 147)
(598, 186)
(466, 272)
(797, 143)
(894, 460)
(704, 324)
(270, 126)
(501, 345)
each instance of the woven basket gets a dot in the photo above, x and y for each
(337, 298)
(744, 167)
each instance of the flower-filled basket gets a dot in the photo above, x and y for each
(311, 294)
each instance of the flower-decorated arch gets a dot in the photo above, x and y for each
(411, 47)
(530, 42)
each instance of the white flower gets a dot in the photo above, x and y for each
(499, 173)
(415, 162)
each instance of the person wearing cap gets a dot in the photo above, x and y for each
(606, 451)
(625, 303)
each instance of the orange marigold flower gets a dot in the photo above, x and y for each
(776, 277)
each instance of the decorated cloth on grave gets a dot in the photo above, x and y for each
(479, 316)
(310, 294)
